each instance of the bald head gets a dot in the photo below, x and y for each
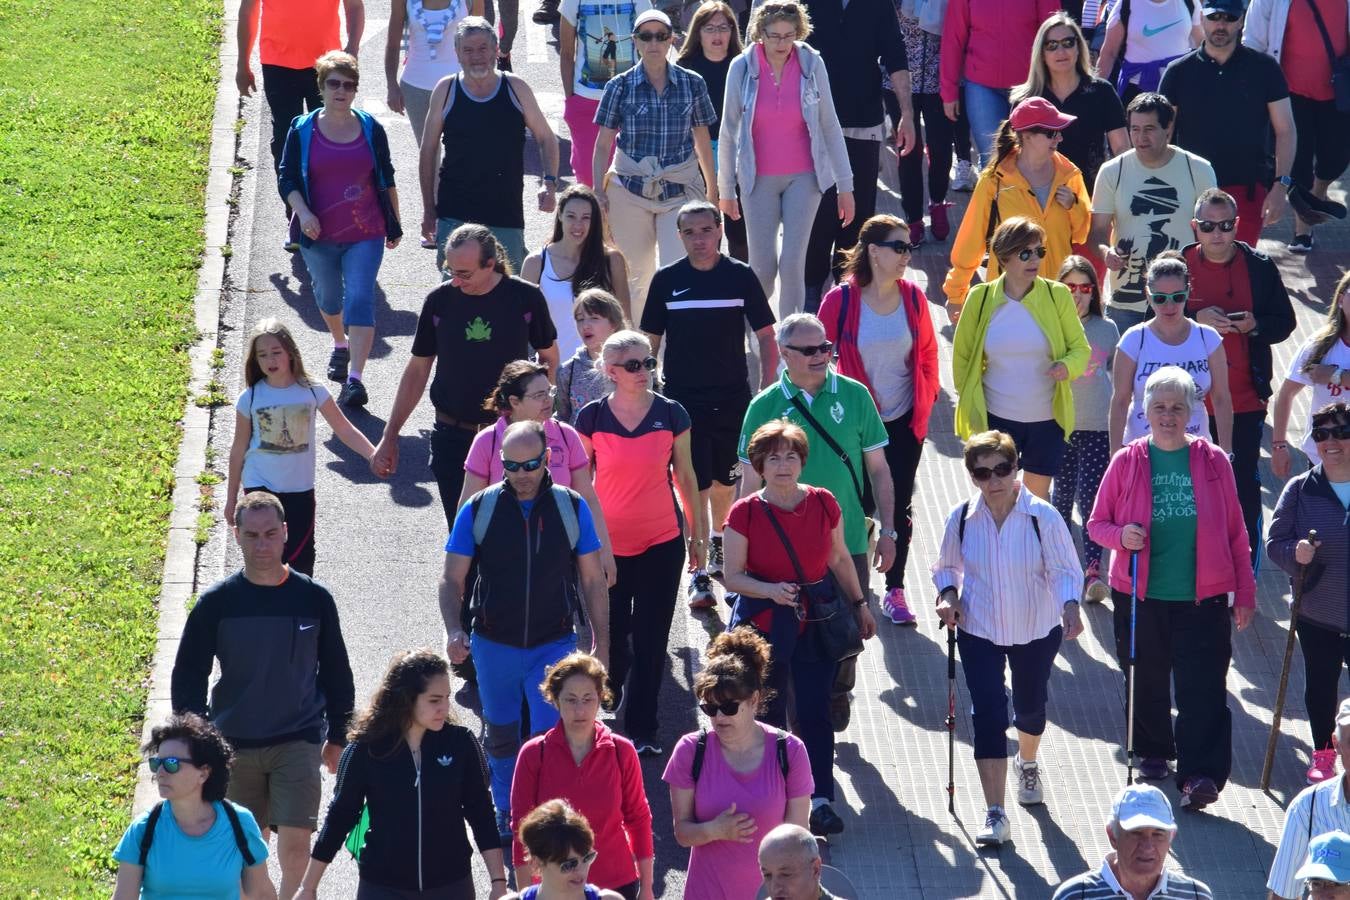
(525, 449)
(789, 860)
(528, 436)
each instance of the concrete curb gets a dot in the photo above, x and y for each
(179, 581)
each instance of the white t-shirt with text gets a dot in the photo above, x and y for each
(1150, 353)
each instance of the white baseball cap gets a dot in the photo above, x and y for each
(652, 15)
(1143, 806)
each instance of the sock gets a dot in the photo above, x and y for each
(717, 537)
(339, 345)
(353, 374)
(817, 803)
(997, 808)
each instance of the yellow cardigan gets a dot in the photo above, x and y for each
(1052, 306)
(1063, 227)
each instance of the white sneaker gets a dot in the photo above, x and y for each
(1030, 791)
(996, 829)
(965, 176)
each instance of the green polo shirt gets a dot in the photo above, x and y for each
(845, 409)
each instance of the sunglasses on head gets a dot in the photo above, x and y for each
(633, 366)
(1026, 254)
(1222, 17)
(827, 348)
(571, 865)
(984, 473)
(1225, 225)
(1068, 43)
(729, 708)
(897, 246)
(171, 764)
(1085, 289)
(1177, 297)
(1324, 433)
(335, 83)
(529, 465)
(648, 36)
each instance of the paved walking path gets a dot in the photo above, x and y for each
(379, 547)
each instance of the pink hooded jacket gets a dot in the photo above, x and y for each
(1223, 558)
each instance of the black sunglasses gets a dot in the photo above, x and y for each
(570, 865)
(827, 348)
(1067, 43)
(1326, 433)
(897, 246)
(1222, 17)
(171, 764)
(529, 465)
(335, 83)
(1025, 255)
(1225, 226)
(633, 366)
(729, 708)
(1177, 297)
(648, 36)
(984, 473)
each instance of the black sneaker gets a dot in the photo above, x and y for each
(353, 394)
(1198, 792)
(337, 363)
(546, 14)
(716, 559)
(825, 821)
(701, 594)
(504, 63)
(1302, 243)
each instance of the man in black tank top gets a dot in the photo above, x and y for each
(478, 118)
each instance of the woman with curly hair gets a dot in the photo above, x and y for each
(420, 777)
(194, 841)
(562, 850)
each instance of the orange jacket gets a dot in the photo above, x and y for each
(1063, 227)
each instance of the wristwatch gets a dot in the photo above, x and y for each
(1286, 181)
(889, 532)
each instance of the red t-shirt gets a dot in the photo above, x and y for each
(1228, 287)
(1304, 58)
(809, 528)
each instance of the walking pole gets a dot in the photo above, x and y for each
(951, 719)
(1129, 671)
(1284, 671)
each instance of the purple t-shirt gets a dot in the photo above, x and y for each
(566, 456)
(729, 870)
(342, 190)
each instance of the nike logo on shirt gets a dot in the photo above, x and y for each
(1150, 32)
(678, 293)
(306, 627)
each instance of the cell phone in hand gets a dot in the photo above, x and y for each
(1237, 316)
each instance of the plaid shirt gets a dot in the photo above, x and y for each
(652, 124)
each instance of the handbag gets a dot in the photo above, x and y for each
(1340, 66)
(393, 228)
(836, 635)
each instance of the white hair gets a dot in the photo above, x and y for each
(471, 24)
(789, 326)
(1171, 379)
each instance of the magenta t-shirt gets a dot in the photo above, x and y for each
(342, 190)
(729, 870)
(566, 456)
(782, 143)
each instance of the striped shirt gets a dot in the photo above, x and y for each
(1013, 585)
(1102, 883)
(1330, 812)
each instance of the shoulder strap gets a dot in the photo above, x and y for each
(483, 507)
(787, 544)
(567, 508)
(148, 835)
(1322, 28)
(782, 752)
(961, 524)
(994, 215)
(700, 748)
(1312, 808)
(239, 839)
(832, 444)
(843, 312)
(1036, 527)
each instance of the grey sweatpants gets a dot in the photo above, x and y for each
(789, 201)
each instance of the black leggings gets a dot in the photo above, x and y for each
(828, 238)
(641, 609)
(1325, 650)
(299, 509)
(902, 458)
(289, 93)
(934, 130)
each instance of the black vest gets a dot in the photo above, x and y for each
(526, 573)
(484, 161)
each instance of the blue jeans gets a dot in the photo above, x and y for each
(1124, 318)
(507, 674)
(1031, 664)
(344, 278)
(512, 241)
(986, 107)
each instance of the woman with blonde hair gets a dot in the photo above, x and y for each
(1320, 362)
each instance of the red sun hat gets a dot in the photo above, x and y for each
(1038, 112)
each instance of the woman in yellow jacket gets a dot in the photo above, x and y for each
(1016, 353)
(1026, 177)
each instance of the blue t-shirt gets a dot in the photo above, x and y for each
(461, 536)
(181, 866)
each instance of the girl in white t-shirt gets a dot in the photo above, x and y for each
(1170, 339)
(1158, 32)
(1319, 363)
(274, 439)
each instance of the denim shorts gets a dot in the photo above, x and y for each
(1040, 445)
(343, 275)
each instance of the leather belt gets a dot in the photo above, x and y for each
(474, 427)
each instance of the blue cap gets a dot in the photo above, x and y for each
(1328, 858)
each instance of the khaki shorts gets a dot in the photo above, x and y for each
(280, 784)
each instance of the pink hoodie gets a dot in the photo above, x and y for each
(989, 42)
(1222, 557)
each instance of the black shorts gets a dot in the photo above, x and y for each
(1040, 445)
(715, 430)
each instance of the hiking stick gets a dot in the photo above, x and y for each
(1284, 671)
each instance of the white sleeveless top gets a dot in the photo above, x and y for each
(558, 292)
(1150, 354)
(431, 43)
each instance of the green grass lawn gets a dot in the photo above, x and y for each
(105, 117)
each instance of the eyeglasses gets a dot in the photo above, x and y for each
(1050, 133)
(716, 29)
(529, 465)
(1339, 432)
(827, 348)
(1084, 289)
(334, 84)
(171, 764)
(1177, 297)
(1067, 43)
(780, 38)
(541, 396)
(571, 865)
(648, 36)
(462, 274)
(984, 473)
(1222, 17)
(729, 708)
(1026, 254)
(633, 366)
(1207, 227)
(897, 246)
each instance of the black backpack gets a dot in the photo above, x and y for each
(240, 841)
(701, 748)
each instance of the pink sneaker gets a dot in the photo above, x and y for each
(916, 233)
(1323, 766)
(896, 609)
(937, 214)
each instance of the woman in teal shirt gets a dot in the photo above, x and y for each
(197, 838)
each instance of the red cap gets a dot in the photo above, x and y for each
(1038, 112)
